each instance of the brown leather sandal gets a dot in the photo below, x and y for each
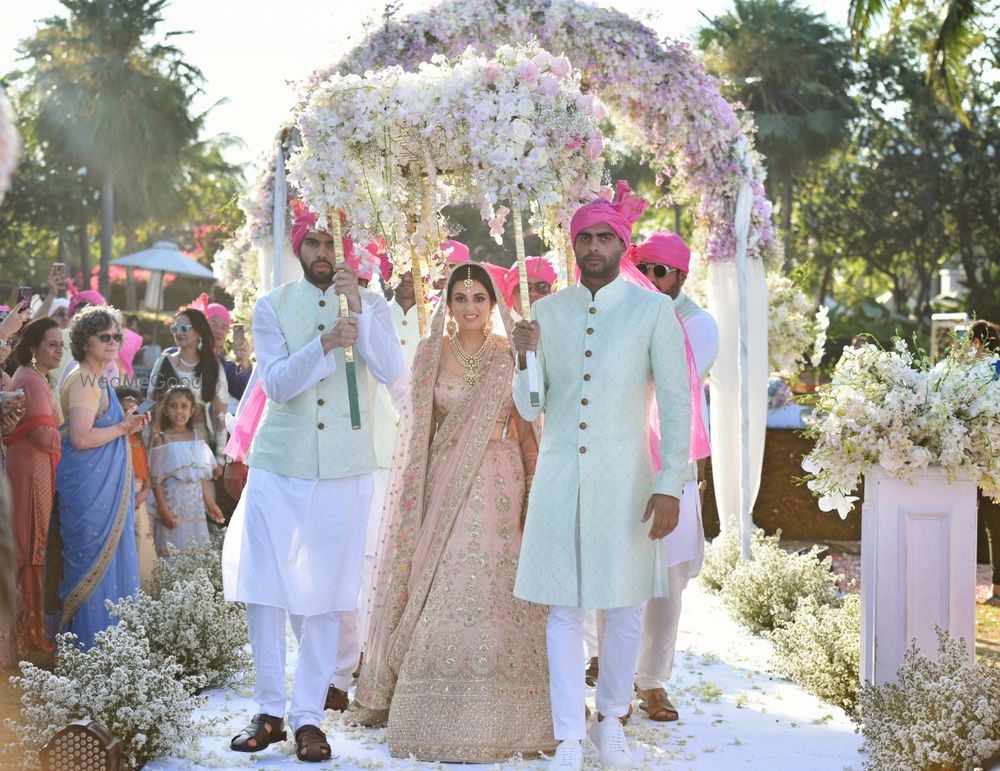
(263, 729)
(336, 699)
(655, 703)
(311, 744)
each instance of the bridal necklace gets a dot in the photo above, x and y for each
(180, 358)
(470, 362)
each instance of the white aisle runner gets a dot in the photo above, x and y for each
(735, 714)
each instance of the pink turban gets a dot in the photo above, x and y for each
(375, 254)
(539, 269)
(305, 221)
(620, 214)
(130, 345)
(665, 248)
(459, 252)
(91, 296)
(211, 310)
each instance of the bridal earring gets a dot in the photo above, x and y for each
(451, 327)
(488, 326)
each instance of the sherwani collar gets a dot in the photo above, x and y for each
(305, 285)
(606, 294)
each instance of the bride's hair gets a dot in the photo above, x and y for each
(476, 272)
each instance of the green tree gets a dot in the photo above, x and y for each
(112, 101)
(948, 43)
(790, 68)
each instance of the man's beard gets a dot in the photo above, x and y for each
(316, 278)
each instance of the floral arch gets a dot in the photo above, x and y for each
(663, 102)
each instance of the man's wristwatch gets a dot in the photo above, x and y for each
(702, 485)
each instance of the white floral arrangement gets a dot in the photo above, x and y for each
(144, 701)
(509, 132)
(236, 268)
(820, 649)
(763, 592)
(892, 409)
(10, 144)
(190, 623)
(941, 714)
(796, 330)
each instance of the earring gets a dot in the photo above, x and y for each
(451, 327)
(199, 345)
(488, 326)
(34, 362)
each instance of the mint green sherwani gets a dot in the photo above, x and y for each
(600, 360)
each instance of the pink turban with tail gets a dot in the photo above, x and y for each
(211, 310)
(455, 251)
(664, 247)
(619, 214)
(700, 446)
(305, 221)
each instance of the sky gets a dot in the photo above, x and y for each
(251, 50)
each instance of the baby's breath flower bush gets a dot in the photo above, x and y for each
(820, 649)
(191, 623)
(184, 564)
(721, 557)
(763, 592)
(943, 714)
(145, 702)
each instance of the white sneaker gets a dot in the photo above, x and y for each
(609, 737)
(568, 757)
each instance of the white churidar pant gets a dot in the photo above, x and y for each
(619, 650)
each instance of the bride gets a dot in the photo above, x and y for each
(455, 666)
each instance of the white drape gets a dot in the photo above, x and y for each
(737, 298)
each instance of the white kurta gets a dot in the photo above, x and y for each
(686, 544)
(298, 543)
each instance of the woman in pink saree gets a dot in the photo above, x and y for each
(455, 665)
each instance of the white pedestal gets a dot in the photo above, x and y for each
(918, 567)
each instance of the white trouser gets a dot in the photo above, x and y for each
(659, 632)
(348, 646)
(354, 623)
(317, 661)
(619, 650)
(590, 638)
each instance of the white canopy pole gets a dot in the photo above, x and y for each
(741, 232)
(278, 219)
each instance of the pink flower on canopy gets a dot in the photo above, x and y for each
(541, 59)
(491, 71)
(598, 109)
(560, 66)
(527, 72)
(548, 86)
(595, 145)
(574, 143)
(584, 102)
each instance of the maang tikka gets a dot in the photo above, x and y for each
(468, 279)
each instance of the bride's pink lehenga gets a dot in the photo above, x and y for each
(455, 665)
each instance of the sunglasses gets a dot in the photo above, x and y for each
(182, 328)
(540, 287)
(657, 270)
(107, 337)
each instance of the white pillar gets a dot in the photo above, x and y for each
(918, 567)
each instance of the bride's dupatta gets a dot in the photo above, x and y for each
(430, 482)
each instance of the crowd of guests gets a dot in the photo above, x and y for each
(103, 472)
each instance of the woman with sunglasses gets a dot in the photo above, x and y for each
(95, 552)
(193, 364)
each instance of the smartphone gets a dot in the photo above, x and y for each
(11, 396)
(24, 296)
(59, 267)
(145, 406)
(239, 335)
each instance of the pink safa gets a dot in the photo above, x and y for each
(619, 214)
(211, 310)
(539, 269)
(305, 221)
(664, 247)
(455, 251)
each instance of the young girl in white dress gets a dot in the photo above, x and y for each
(181, 465)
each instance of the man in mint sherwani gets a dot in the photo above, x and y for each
(596, 509)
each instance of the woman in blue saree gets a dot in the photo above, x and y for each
(94, 482)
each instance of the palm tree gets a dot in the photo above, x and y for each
(111, 101)
(790, 68)
(956, 34)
